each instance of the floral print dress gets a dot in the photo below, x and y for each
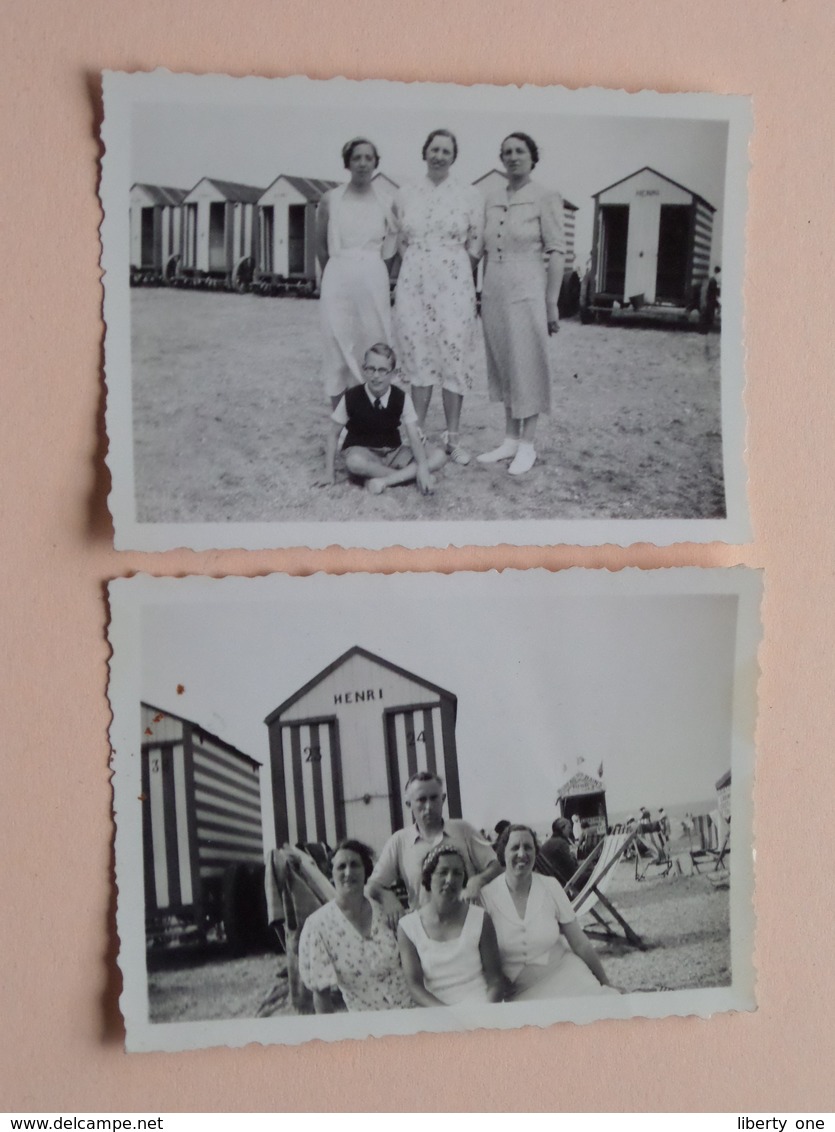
(440, 227)
(366, 969)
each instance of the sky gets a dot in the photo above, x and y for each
(176, 144)
(643, 684)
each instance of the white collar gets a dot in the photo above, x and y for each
(384, 400)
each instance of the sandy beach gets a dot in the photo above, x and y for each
(230, 420)
(683, 919)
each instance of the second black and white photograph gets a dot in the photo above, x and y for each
(376, 313)
(365, 805)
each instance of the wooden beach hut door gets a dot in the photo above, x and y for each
(217, 236)
(151, 238)
(614, 232)
(309, 779)
(673, 249)
(415, 741)
(296, 239)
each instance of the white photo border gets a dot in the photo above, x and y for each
(124, 91)
(129, 597)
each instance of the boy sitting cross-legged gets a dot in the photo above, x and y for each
(372, 415)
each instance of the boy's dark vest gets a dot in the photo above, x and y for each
(369, 427)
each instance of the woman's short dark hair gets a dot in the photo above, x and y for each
(444, 133)
(533, 148)
(349, 147)
(351, 845)
(430, 863)
(501, 845)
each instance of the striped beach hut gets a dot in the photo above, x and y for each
(155, 231)
(287, 228)
(201, 819)
(220, 232)
(652, 241)
(343, 746)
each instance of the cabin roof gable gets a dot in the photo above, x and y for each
(357, 650)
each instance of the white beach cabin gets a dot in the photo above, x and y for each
(287, 227)
(344, 745)
(219, 230)
(652, 241)
(155, 231)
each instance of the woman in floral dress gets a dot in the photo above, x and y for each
(440, 226)
(348, 944)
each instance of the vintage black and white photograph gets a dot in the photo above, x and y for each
(365, 805)
(378, 313)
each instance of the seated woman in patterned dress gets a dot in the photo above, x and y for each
(348, 944)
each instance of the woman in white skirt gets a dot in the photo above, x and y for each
(355, 236)
(544, 951)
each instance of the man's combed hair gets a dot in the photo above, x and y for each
(424, 776)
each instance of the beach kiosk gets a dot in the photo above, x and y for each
(286, 259)
(220, 233)
(343, 746)
(155, 232)
(586, 797)
(651, 244)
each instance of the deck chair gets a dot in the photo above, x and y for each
(587, 891)
(653, 853)
(295, 887)
(704, 842)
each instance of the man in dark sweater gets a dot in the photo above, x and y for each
(555, 857)
(372, 415)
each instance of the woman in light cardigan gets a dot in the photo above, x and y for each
(544, 951)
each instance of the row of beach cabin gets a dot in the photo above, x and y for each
(651, 243)
(342, 748)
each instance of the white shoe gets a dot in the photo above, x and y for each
(523, 461)
(506, 451)
(456, 453)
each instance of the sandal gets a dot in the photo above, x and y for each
(456, 453)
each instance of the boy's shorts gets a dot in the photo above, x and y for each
(396, 458)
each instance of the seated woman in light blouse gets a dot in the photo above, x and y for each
(543, 949)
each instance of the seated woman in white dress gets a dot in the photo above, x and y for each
(355, 235)
(448, 947)
(544, 951)
(348, 944)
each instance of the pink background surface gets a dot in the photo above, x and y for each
(63, 1034)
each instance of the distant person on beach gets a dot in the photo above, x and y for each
(355, 236)
(710, 301)
(499, 829)
(403, 855)
(555, 857)
(664, 826)
(372, 415)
